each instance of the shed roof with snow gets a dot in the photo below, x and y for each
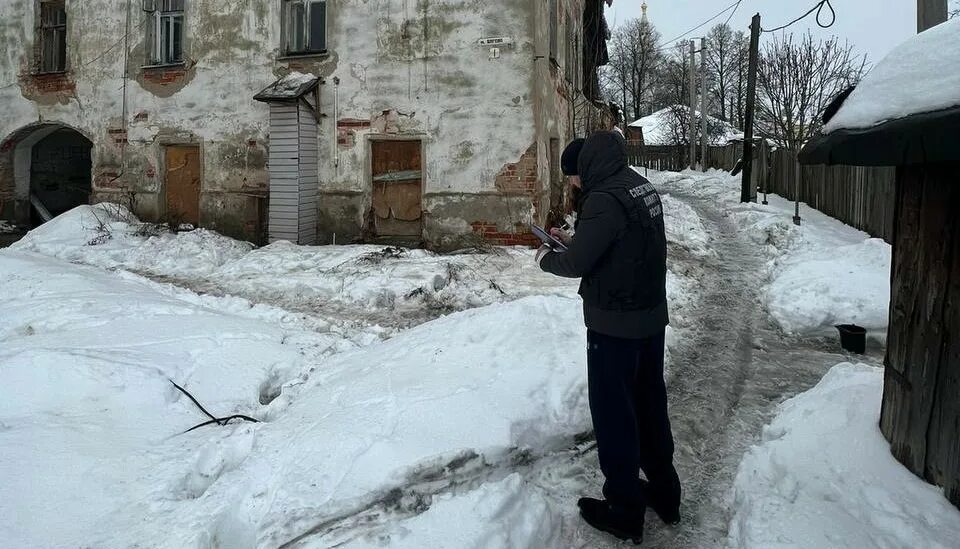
(289, 88)
(905, 111)
(661, 128)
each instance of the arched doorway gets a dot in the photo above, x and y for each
(51, 171)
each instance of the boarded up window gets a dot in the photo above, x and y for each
(397, 188)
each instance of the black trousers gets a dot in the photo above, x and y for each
(628, 402)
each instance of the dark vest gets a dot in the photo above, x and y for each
(631, 276)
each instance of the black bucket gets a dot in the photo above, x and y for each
(853, 338)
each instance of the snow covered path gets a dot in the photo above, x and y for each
(728, 373)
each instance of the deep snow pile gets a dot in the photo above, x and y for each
(350, 280)
(89, 429)
(824, 477)
(109, 236)
(918, 76)
(374, 285)
(821, 273)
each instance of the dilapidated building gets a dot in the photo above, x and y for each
(439, 121)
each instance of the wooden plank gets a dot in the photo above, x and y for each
(921, 414)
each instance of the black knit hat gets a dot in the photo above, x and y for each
(568, 161)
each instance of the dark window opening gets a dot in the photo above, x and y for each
(304, 26)
(53, 36)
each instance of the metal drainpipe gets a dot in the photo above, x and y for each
(336, 116)
(126, 67)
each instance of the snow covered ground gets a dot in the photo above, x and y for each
(401, 393)
(821, 274)
(394, 423)
(366, 282)
(824, 477)
(92, 429)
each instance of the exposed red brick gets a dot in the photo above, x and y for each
(490, 233)
(520, 177)
(353, 123)
(164, 76)
(50, 83)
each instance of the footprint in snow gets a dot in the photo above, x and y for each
(216, 458)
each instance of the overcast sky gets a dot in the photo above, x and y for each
(874, 27)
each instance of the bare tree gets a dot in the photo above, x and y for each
(634, 57)
(677, 124)
(738, 84)
(722, 67)
(672, 82)
(797, 80)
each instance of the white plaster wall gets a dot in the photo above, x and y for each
(216, 104)
(475, 113)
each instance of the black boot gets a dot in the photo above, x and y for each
(665, 506)
(626, 524)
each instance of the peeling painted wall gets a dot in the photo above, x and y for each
(404, 67)
(207, 101)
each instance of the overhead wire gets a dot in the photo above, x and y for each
(732, 13)
(818, 7)
(672, 42)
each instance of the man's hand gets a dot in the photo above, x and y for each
(561, 235)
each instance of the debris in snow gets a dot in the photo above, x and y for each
(918, 76)
(108, 235)
(823, 476)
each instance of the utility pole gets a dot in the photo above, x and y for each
(703, 104)
(692, 115)
(930, 13)
(745, 193)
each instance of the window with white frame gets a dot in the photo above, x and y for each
(53, 36)
(164, 31)
(304, 26)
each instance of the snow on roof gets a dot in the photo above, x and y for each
(658, 128)
(920, 75)
(290, 86)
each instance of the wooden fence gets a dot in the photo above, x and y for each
(858, 196)
(861, 197)
(666, 159)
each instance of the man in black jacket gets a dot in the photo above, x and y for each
(619, 250)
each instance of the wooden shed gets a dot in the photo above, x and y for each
(294, 181)
(906, 113)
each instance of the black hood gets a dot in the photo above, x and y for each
(604, 154)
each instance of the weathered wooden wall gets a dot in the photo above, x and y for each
(858, 196)
(662, 158)
(921, 397)
(861, 197)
